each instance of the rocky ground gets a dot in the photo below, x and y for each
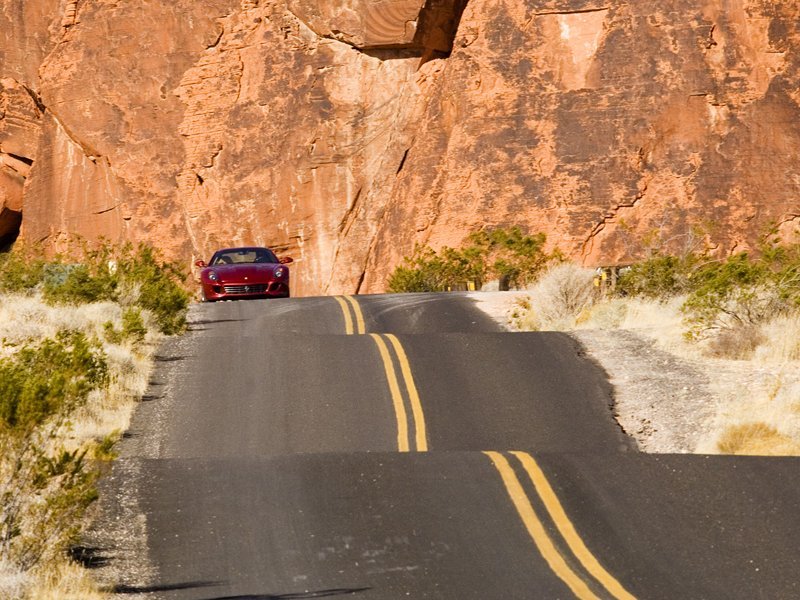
(667, 400)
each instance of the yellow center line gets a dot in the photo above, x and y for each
(567, 529)
(348, 320)
(359, 315)
(413, 396)
(397, 398)
(537, 531)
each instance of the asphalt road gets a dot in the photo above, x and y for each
(389, 447)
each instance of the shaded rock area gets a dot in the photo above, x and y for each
(342, 132)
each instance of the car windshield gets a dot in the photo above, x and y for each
(243, 256)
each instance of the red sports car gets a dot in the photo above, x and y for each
(235, 273)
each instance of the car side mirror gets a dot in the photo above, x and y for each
(285, 260)
(200, 263)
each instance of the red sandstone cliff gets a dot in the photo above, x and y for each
(343, 131)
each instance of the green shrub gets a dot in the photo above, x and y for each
(139, 278)
(726, 298)
(80, 286)
(505, 254)
(738, 292)
(52, 377)
(93, 279)
(658, 277)
(19, 272)
(44, 498)
(511, 256)
(158, 284)
(420, 272)
(133, 328)
(43, 494)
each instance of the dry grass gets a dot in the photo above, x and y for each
(558, 299)
(28, 319)
(65, 581)
(756, 439)
(59, 581)
(13, 582)
(782, 341)
(755, 371)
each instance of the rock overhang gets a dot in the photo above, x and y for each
(384, 24)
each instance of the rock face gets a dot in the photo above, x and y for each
(342, 132)
(19, 137)
(612, 126)
(424, 25)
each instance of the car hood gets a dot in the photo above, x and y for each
(245, 271)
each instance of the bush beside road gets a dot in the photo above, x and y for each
(77, 346)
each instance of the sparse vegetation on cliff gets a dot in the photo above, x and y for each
(510, 256)
(76, 352)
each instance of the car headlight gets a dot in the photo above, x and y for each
(280, 272)
(212, 275)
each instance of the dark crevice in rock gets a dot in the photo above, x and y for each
(610, 216)
(106, 210)
(37, 100)
(579, 11)
(360, 281)
(10, 224)
(391, 53)
(218, 39)
(22, 159)
(437, 27)
(350, 214)
(91, 153)
(402, 161)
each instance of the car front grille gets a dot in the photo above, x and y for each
(245, 289)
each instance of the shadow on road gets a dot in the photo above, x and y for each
(296, 596)
(159, 358)
(165, 587)
(198, 325)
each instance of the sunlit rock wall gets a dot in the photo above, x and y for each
(615, 127)
(342, 132)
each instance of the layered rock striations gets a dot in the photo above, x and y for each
(342, 132)
(613, 126)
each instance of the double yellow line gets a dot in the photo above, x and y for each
(392, 352)
(348, 304)
(578, 568)
(557, 562)
(418, 418)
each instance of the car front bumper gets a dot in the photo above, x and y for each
(235, 291)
